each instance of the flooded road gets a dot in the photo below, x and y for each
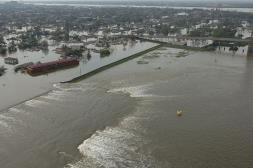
(126, 117)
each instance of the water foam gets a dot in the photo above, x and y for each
(63, 90)
(4, 124)
(35, 103)
(134, 91)
(74, 87)
(54, 95)
(117, 147)
(5, 120)
(122, 146)
(16, 110)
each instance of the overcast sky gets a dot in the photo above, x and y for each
(138, 0)
(238, 1)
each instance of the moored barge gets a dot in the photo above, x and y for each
(47, 67)
(22, 66)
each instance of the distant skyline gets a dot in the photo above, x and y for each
(175, 1)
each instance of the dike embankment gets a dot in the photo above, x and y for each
(108, 66)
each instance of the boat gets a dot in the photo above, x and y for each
(22, 66)
(179, 113)
(42, 68)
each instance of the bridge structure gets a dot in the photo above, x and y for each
(166, 39)
(220, 39)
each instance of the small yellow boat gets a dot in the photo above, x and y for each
(179, 113)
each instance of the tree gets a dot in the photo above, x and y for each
(2, 41)
(224, 32)
(165, 30)
(44, 44)
(12, 47)
(3, 49)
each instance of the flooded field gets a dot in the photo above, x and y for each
(127, 116)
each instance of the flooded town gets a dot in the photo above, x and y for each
(122, 84)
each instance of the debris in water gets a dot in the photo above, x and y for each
(142, 62)
(152, 56)
(182, 54)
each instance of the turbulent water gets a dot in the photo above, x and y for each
(126, 117)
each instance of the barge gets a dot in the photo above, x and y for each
(22, 66)
(52, 66)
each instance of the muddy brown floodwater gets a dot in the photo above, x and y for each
(127, 117)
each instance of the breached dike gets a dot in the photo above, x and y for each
(103, 68)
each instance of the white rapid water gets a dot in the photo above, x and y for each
(134, 91)
(121, 146)
(115, 147)
(59, 94)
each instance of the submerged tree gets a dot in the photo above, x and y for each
(12, 47)
(3, 49)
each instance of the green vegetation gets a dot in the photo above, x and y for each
(165, 30)
(58, 35)
(44, 45)
(12, 47)
(76, 38)
(104, 52)
(2, 70)
(3, 49)
(71, 52)
(28, 40)
(224, 32)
